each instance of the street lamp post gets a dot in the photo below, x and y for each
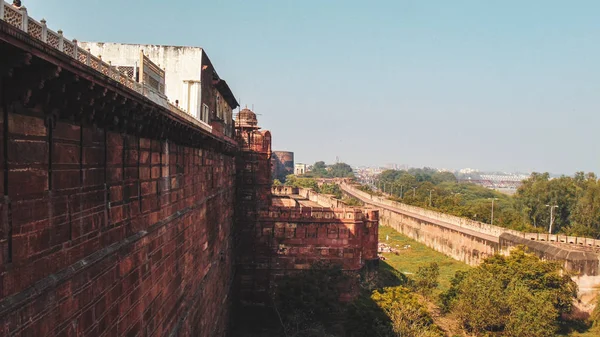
(430, 197)
(552, 207)
(492, 222)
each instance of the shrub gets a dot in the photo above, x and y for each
(517, 295)
(426, 278)
(408, 316)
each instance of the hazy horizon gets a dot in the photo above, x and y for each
(510, 86)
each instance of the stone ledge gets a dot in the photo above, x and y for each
(575, 260)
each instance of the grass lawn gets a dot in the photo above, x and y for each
(409, 260)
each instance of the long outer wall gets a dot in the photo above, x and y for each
(471, 242)
(464, 244)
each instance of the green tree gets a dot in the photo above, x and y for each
(408, 316)
(577, 198)
(585, 217)
(319, 165)
(332, 189)
(319, 169)
(352, 202)
(530, 315)
(404, 183)
(389, 175)
(340, 170)
(292, 180)
(440, 177)
(532, 196)
(426, 278)
(505, 291)
(595, 317)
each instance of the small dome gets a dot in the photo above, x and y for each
(246, 118)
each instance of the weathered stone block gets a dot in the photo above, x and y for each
(26, 125)
(27, 152)
(23, 182)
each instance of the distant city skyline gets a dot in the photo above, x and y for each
(399, 166)
(510, 86)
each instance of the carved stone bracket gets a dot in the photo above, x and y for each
(59, 90)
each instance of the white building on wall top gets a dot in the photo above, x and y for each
(190, 80)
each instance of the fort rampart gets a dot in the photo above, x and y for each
(117, 210)
(289, 239)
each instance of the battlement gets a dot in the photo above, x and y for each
(318, 214)
(332, 208)
(285, 190)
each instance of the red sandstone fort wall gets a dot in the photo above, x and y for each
(290, 239)
(300, 237)
(105, 233)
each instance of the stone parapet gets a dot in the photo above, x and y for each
(314, 214)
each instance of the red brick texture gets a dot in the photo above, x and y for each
(273, 241)
(290, 239)
(109, 234)
(303, 236)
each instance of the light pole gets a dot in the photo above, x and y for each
(414, 192)
(430, 197)
(492, 222)
(552, 207)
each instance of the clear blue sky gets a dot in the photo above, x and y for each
(506, 85)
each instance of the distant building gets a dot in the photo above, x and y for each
(184, 75)
(282, 164)
(299, 169)
(468, 171)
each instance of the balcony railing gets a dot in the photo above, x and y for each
(19, 18)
